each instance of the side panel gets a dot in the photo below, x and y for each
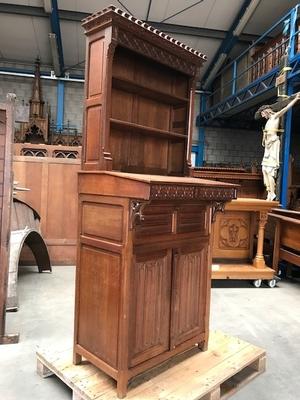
(99, 288)
(100, 276)
(6, 130)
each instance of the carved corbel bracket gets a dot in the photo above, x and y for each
(217, 206)
(136, 212)
(263, 217)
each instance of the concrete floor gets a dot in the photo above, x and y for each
(269, 318)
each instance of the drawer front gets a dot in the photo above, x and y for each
(157, 220)
(172, 219)
(192, 218)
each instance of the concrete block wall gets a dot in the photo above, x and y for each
(235, 147)
(22, 87)
(295, 148)
(74, 96)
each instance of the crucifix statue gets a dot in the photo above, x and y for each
(271, 141)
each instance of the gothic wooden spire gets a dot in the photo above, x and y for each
(36, 101)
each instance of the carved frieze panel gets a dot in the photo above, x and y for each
(147, 49)
(188, 192)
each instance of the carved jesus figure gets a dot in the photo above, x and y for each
(271, 143)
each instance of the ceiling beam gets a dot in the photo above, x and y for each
(196, 31)
(55, 36)
(148, 10)
(182, 10)
(232, 36)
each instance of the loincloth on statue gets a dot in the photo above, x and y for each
(272, 171)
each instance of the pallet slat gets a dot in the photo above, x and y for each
(227, 365)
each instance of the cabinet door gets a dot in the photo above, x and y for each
(150, 306)
(189, 293)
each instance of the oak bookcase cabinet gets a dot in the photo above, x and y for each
(142, 279)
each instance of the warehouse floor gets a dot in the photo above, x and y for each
(269, 318)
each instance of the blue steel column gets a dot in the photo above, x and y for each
(60, 105)
(234, 74)
(55, 27)
(288, 119)
(293, 20)
(286, 154)
(201, 139)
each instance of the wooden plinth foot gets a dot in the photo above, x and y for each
(77, 358)
(9, 339)
(203, 346)
(76, 396)
(122, 384)
(42, 370)
(260, 364)
(215, 395)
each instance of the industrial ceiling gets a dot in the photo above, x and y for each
(206, 25)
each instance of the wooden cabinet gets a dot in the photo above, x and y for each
(287, 237)
(142, 281)
(6, 184)
(250, 183)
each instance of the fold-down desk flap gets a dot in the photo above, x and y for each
(154, 187)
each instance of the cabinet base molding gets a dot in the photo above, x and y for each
(227, 365)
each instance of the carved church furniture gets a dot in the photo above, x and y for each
(142, 278)
(251, 183)
(52, 181)
(35, 128)
(142, 281)
(25, 232)
(45, 150)
(6, 183)
(233, 236)
(287, 237)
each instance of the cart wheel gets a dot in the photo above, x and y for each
(272, 283)
(257, 283)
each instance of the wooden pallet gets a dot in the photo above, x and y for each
(227, 365)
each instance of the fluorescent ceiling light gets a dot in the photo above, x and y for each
(48, 6)
(54, 52)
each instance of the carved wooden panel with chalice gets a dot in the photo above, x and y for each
(232, 235)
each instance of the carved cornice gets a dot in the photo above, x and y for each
(189, 192)
(101, 17)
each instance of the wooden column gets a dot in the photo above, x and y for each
(259, 260)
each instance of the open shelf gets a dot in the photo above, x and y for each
(132, 87)
(146, 130)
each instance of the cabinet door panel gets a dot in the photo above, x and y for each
(150, 318)
(189, 291)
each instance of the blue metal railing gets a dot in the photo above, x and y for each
(239, 80)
